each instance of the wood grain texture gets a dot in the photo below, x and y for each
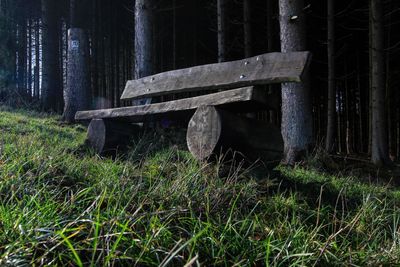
(107, 135)
(263, 69)
(248, 98)
(212, 130)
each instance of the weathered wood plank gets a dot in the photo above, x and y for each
(247, 97)
(263, 69)
(212, 131)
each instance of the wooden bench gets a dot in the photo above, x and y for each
(213, 121)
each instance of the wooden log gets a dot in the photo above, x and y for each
(107, 136)
(212, 130)
(263, 69)
(248, 98)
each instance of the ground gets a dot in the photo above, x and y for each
(61, 204)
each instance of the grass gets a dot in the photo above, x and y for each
(154, 205)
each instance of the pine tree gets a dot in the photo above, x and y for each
(52, 95)
(296, 114)
(77, 92)
(221, 18)
(331, 115)
(379, 140)
(144, 23)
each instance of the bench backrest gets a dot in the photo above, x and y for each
(259, 70)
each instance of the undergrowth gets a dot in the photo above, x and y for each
(61, 204)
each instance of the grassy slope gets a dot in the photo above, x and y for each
(62, 204)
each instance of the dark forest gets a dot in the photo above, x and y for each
(97, 97)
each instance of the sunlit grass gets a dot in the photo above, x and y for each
(61, 204)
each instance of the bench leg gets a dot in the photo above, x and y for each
(212, 130)
(107, 135)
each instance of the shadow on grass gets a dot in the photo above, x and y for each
(317, 187)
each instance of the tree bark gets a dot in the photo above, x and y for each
(379, 144)
(36, 86)
(77, 93)
(21, 67)
(247, 28)
(144, 65)
(144, 60)
(73, 16)
(221, 21)
(296, 110)
(51, 78)
(29, 72)
(331, 116)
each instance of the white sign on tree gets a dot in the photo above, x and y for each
(75, 45)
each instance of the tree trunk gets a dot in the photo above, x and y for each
(296, 111)
(330, 131)
(379, 145)
(77, 92)
(73, 14)
(29, 72)
(21, 68)
(247, 28)
(144, 60)
(174, 47)
(51, 78)
(143, 38)
(36, 86)
(221, 18)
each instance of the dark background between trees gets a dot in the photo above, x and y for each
(185, 34)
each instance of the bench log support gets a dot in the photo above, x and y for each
(107, 135)
(212, 130)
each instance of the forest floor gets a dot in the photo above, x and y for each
(61, 204)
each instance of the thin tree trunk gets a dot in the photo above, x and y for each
(247, 37)
(296, 110)
(174, 51)
(221, 18)
(379, 148)
(349, 138)
(247, 28)
(118, 70)
(94, 57)
(73, 16)
(339, 121)
(270, 24)
(390, 95)
(29, 72)
(21, 70)
(36, 86)
(51, 82)
(360, 109)
(273, 115)
(330, 131)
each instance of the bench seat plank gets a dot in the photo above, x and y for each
(248, 98)
(263, 69)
